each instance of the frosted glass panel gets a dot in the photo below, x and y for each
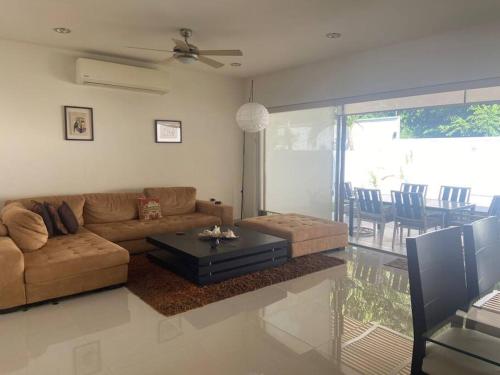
(299, 152)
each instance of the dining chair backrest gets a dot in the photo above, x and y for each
(369, 201)
(454, 194)
(494, 209)
(437, 283)
(414, 188)
(408, 206)
(348, 192)
(482, 256)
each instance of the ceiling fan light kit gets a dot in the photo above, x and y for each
(188, 53)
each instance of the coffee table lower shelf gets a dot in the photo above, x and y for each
(219, 270)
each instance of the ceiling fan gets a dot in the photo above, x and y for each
(188, 53)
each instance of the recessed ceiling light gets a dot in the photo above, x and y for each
(235, 64)
(62, 30)
(333, 35)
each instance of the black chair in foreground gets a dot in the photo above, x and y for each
(438, 289)
(482, 256)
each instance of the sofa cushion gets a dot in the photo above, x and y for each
(76, 203)
(40, 209)
(68, 218)
(26, 228)
(110, 207)
(174, 200)
(71, 255)
(137, 229)
(295, 227)
(149, 208)
(59, 227)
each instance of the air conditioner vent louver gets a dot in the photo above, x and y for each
(102, 73)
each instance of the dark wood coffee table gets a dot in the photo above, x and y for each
(203, 263)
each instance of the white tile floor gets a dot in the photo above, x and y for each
(349, 319)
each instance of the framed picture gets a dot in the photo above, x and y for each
(78, 124)
(87, 359)
(168, 131)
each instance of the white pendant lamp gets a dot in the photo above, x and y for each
(252, 117)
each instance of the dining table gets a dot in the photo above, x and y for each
(433, 205)
(482, 320)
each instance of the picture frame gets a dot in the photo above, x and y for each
(78, 123)
(168, 131)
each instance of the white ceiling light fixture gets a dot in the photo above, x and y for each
(252, 117)
(61, 30)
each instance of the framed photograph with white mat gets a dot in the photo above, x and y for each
(78, 124)
(168, 131)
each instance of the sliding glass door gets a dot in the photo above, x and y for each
(447, 138)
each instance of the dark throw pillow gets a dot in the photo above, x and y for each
(59, 227)
(40, 209)
(68, 218)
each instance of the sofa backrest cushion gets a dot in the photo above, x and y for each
(101, 208)
(26, 228)
(174, 200)
(76, 203)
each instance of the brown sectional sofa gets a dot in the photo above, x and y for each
(95, 257)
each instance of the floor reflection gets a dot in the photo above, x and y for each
(349, 319)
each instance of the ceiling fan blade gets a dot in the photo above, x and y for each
(220, 52)
(181, 44)
(212, 63)
(151, 49)
(167, 61)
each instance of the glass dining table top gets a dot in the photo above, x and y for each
(474, 333)
(437, 204)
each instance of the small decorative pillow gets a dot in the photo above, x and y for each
(59, 227)
(149, 208)
(40, 209)
(68, 218)
(26, 228)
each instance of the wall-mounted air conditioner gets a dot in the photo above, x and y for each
(102, 73)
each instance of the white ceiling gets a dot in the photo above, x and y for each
(273, 34)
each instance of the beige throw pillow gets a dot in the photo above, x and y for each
(26, 228)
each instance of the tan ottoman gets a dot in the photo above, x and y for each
(306, 234)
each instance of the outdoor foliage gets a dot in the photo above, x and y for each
(475, 120)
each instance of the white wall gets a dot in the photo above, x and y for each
(35, 84)
(447, 58)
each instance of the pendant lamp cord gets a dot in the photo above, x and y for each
(250, 99)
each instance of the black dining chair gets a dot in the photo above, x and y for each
(371, 208)
(437, 290)
(482, 256)
(410, 213)
(467, 217)
(414, 188)
(454, 194)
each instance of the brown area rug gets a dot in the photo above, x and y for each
(171, 294)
